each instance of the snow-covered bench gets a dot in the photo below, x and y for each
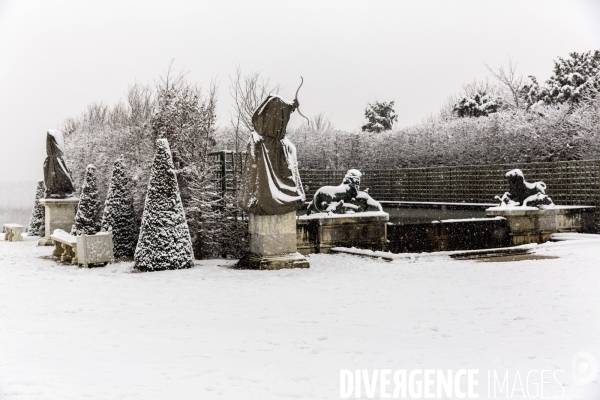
(84, 249)
(13, 232)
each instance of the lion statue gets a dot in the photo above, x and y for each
(522, 192)
(345, 198)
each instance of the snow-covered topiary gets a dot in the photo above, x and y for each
(479, 105)
(37, 223)
(573, 79)
(87, 218)
(164, 241)
(380, 117)
(119, 215)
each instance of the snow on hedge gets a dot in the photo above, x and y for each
(164, 241)
(87, 218)
(119, 214)
(37, 223)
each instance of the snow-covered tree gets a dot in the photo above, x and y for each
(573, 79)
(216, 223)
(478, 105)
(119, 215)
(203, 212)
(380, 116)
(185, 117)
(164, 241)
(37, 223)
(102, 132)
(234, 241)
(87, 218)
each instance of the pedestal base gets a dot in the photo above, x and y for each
(254, 261)
(273, 243)
(532, 225)
(60, 214)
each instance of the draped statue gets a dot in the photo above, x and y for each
(57, 177)
(271, 182)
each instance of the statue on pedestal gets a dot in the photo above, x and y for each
(343, 199)
(59, 203)
(523, 193)
(271, 183)
(271, 189)
(57, 177)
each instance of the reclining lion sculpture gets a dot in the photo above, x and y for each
(344, 198)
(522, 192)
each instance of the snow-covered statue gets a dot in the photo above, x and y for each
(57, 177)
(522, 192)
(271, 182)
(345, 198)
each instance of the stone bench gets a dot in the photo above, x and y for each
(65, 246)
(84, 249)
(13, 232)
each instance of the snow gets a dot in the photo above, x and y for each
(434, 203)
(274, 96)
(515, 172)
(58, 138)
(573, 236)
(470, 219)
(211, 332)
(387, 255)
(514, 206)
(63, 236)
(347, 215)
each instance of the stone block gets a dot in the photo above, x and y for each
(533, 225)
(14, 232)
(281, 261)
(272, 243)
(318, 233)
(272, 224)
(60, 214)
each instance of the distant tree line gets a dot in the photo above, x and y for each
(503, 120)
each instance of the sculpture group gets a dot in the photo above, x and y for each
(271, 193)
(523, 193)
(344, 198)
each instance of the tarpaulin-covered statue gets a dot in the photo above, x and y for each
(271, 182)
(57, 176)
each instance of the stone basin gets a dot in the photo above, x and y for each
(318, 233)
(535, 225)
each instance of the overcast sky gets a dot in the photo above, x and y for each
(56, 57)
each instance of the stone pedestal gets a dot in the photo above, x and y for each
(318, 233)
(273, 243)
(60, 214)
(533, 225)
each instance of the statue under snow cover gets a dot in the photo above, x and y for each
(344, 198)
(523, 193)
(57, 177)
(271, 182)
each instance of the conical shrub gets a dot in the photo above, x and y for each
(119, 215)
(37, 222)
(87, 218)
(164, 241)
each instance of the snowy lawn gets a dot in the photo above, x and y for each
(213, 332)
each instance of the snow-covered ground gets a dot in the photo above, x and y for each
(211, 332)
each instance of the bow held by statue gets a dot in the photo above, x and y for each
(297, 103)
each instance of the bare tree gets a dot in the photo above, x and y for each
(511, 81)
